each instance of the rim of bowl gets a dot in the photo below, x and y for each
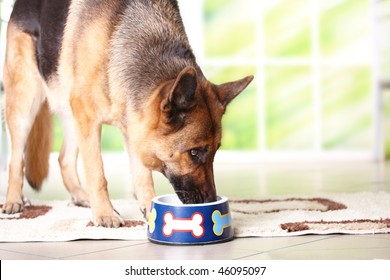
(162, 200)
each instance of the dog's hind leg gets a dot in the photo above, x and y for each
(68, 161)
(24, 97)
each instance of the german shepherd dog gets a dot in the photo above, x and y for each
(126, 63)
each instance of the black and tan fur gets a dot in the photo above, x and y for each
(126, 63)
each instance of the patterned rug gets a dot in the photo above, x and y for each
(359, 213)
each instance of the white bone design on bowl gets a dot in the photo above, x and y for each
(193, 225)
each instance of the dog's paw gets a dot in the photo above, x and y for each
(145, 204)
(145, 213)
(79, 198)
(113, 221)
(145, 210)
(80, 202)
(13, 207)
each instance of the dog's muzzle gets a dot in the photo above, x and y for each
(195, 197)
(191, 192)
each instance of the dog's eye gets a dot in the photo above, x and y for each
(198, 155)
(195, 153)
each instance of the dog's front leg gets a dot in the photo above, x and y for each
(102, 209)
(89, 143)
(143, 185)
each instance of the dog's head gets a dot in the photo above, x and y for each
(186, 132)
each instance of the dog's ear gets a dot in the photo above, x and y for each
(181, 96)
(227, 92)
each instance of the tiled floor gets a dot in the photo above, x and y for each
(234, 180)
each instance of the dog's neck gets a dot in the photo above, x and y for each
(150, 48)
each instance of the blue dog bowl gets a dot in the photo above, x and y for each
(175, 223)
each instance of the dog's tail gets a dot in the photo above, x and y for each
(38, 148)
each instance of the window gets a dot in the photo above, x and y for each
(315, 86)
(313, 65)
(383, 30)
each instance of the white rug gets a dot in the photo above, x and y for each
(360, 213)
